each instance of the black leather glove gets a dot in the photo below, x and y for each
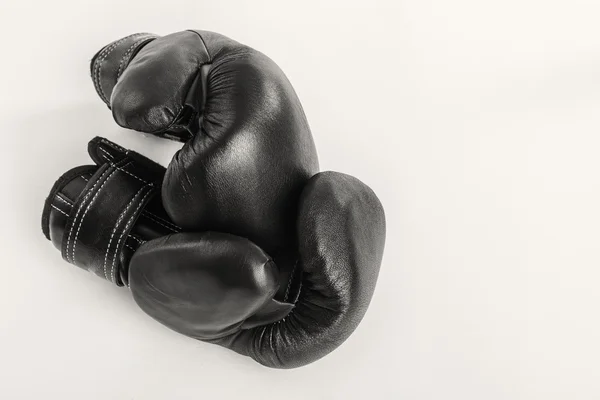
(244, 170)
(248, 148)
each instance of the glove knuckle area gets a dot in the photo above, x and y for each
(109, 63)
(249, 91)
(204, 285)
(151, 92)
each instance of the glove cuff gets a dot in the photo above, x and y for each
(92, 212)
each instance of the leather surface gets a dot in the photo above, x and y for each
(221, 288)
(268, 258)
(341, 238)
(204, 284)
(248, 147)
(98, 215)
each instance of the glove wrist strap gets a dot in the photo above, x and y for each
(108, 207)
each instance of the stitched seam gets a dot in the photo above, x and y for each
(205, 46)
(173, 228)
(162, 219)
(147, 214)
(121, 216)
(102, 57)
(71, 205)
(136, 239)
(156, 222)
(140, 241)
(58, 209)
(293, 309)
(107, 156)
(127, 55)
(131, 219)
(131, 174)
(287, 290)
(61, 199)
(86, 211)
(87, 195)
(94, 71)
(113, 145)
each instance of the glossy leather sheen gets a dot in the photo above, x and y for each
(208, 288)
(341, 238)
(248, 147)
(98, 215)
(221, 288)
(205, 285)
(255, 250)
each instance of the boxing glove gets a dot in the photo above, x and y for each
(219, 287)
(248, 149)
(99, 215)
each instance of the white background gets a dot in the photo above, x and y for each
(476, 122)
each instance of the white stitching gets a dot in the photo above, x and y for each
(163, 225)
(102, 57)
(108, 156)
(121, 216)
(153, 217)
(88, 194)
(58, 209)
(63, 200)
(127, 54)
(133, 175)
(84, 178)
(136, 239)
(131, 219)
(86, 211)
(70, 205)
(88, 207)
(140, 241)
(96, 83)
(113, 145)
(99, 60)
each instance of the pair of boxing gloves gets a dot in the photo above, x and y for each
(240, 241)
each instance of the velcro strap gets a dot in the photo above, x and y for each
(107, 209)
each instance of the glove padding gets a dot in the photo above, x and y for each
(218, 287)
(341, 235)
(248, 147)
(292, 268)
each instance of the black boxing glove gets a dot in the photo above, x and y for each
(248, 148)
(218, 287)
(99, 215)
(248, 157)
(341, 235)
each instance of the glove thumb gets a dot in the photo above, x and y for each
(341, 235)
